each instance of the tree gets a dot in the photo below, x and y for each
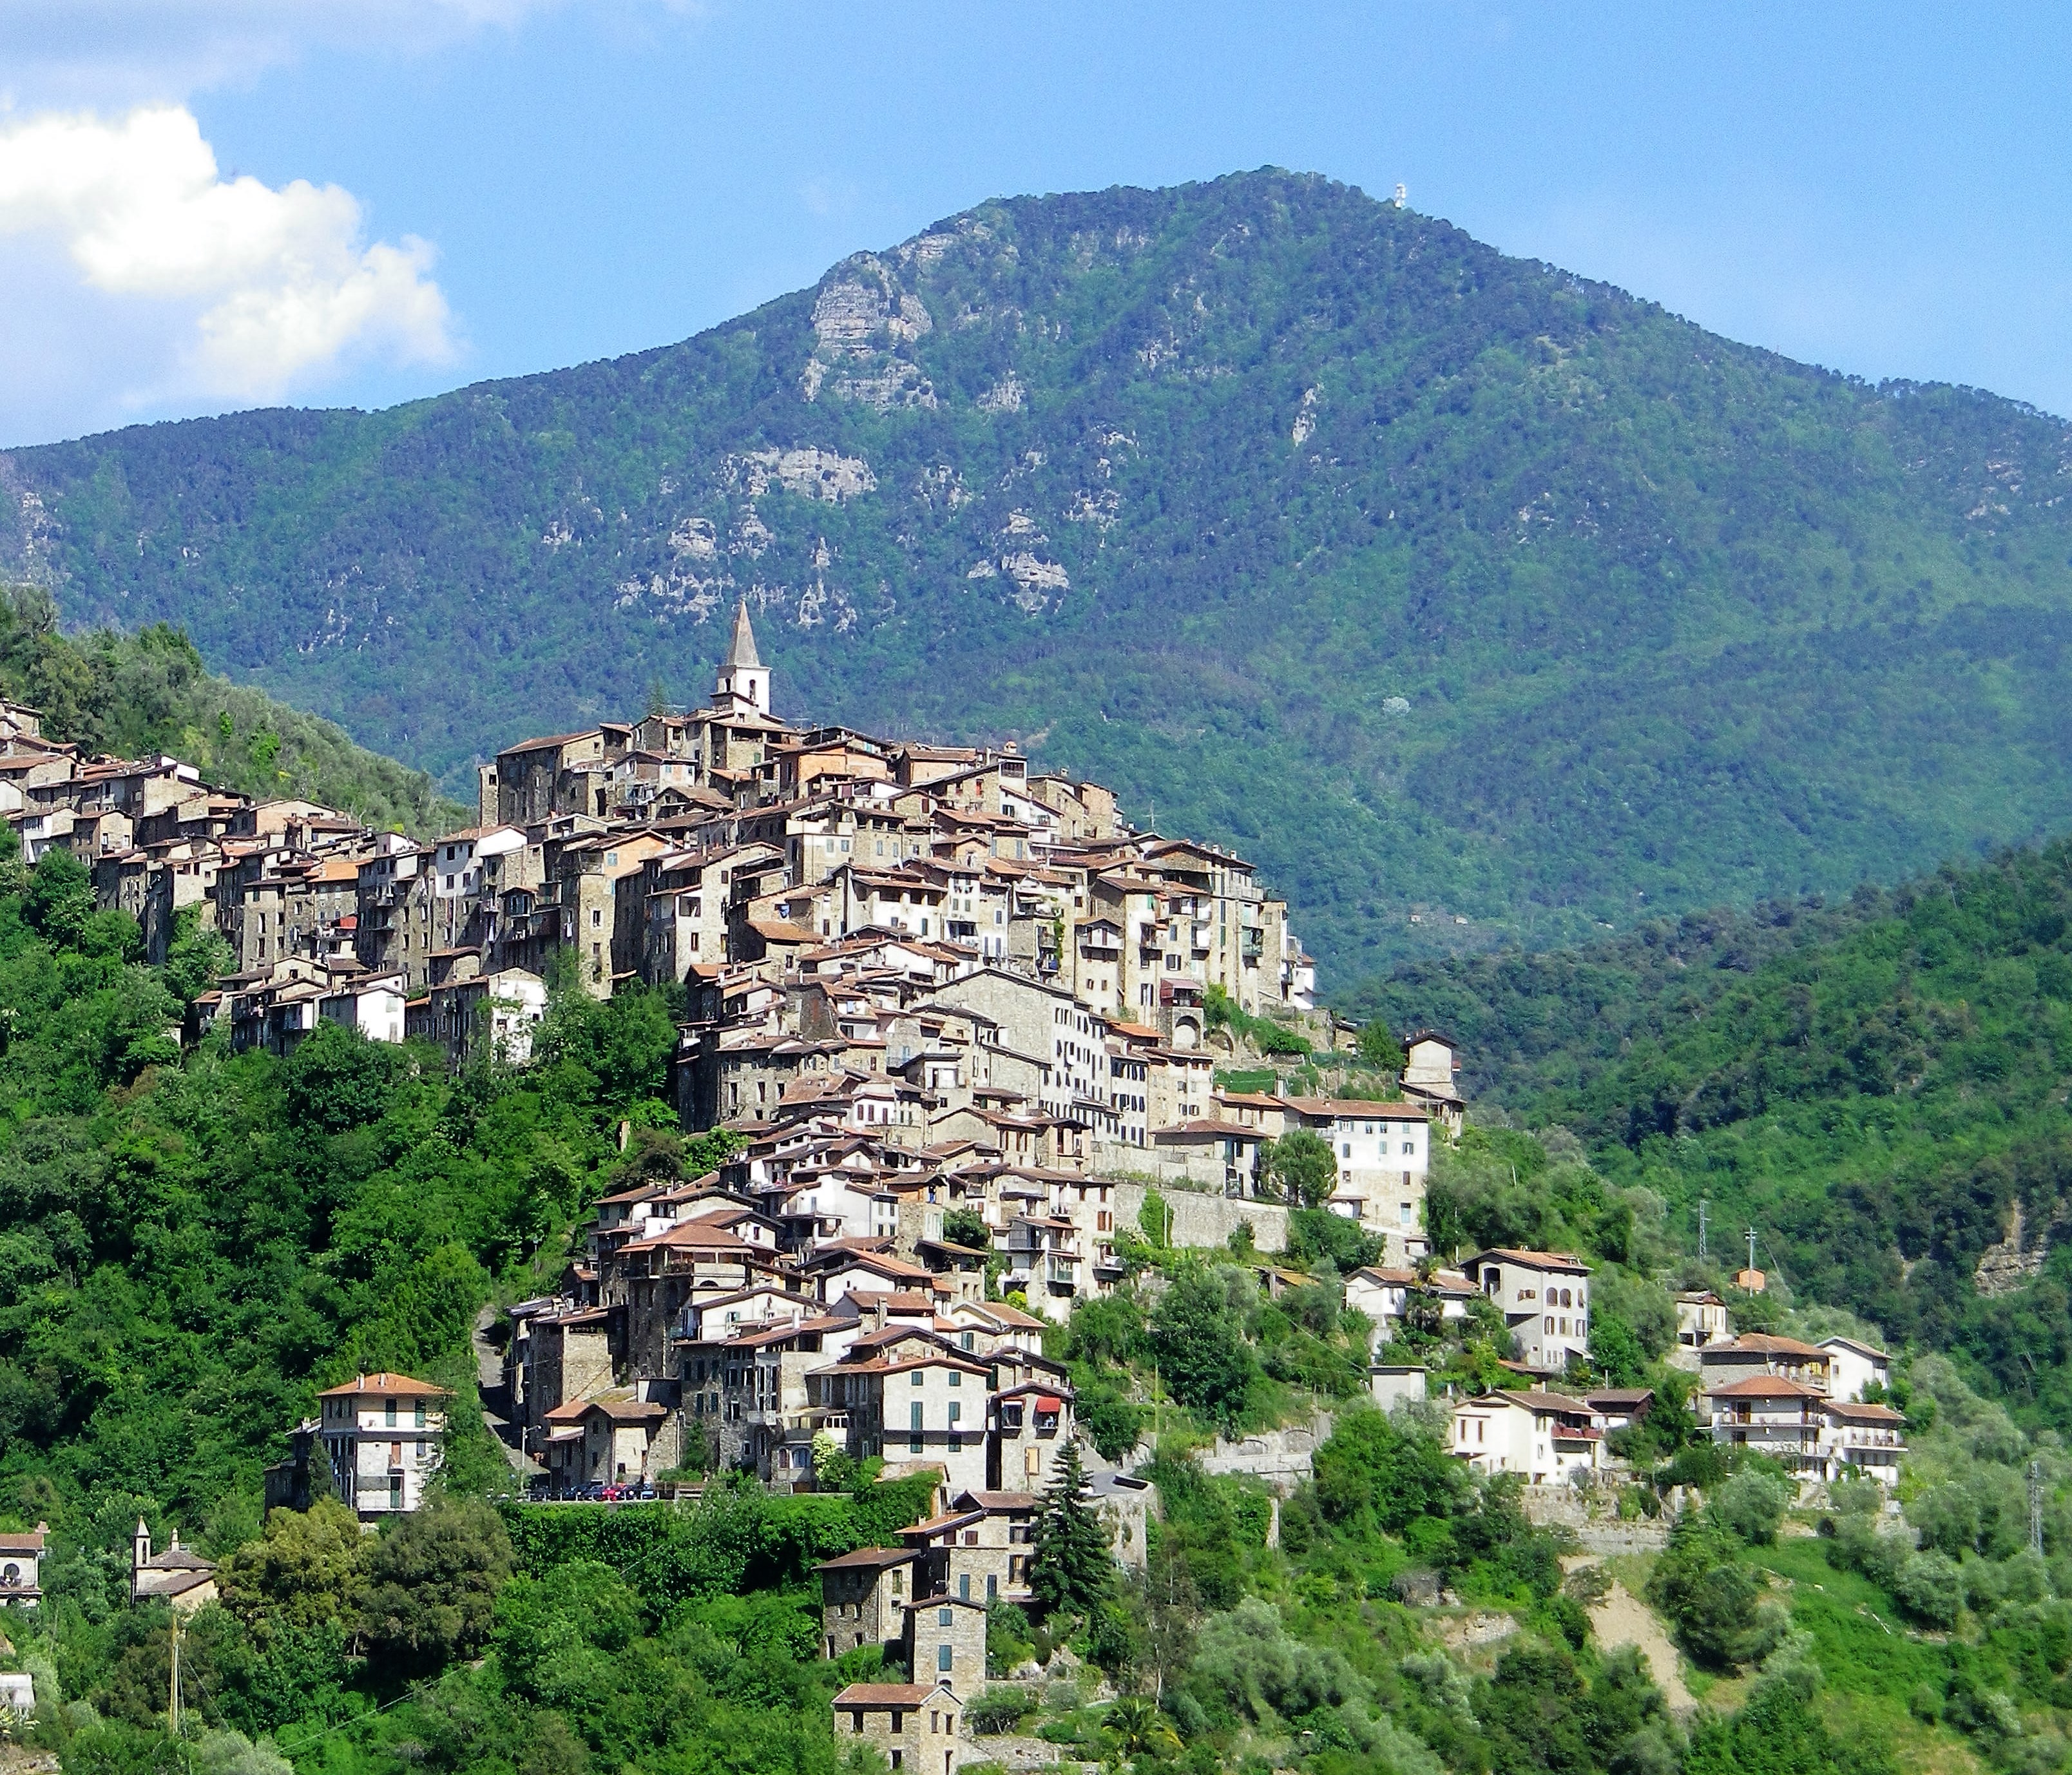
(1199, 1343)
(1379, 1049)
(1301, 1169)
(1752, 1506)
(307, 1568)
(1386, 1470)
(198, 955)
(60, 899)
(1713, 1599)
(433, 1580)
(1137, 1728)
(1072, 1568)
(966, 1226)
(1172, 1609)
(337, 1079)
(1615, 1351)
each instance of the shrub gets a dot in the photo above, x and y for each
(1929, 1587)
(997, 1711)
(1712, 1599)
(1752, 1505)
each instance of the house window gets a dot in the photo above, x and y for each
(943, 1656)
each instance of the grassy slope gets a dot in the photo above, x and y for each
(1676, 621)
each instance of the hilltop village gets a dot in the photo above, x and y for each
(945, 1049)
(951, 1022)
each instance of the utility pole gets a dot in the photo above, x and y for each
(2036, 1508)
(1703, 1205)
(1751, 1239)
(173, 1706)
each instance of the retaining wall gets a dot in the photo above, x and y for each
(1207, 1220)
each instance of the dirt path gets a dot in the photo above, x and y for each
(1622, 1619)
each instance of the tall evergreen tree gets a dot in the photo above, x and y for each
(1072, 1568)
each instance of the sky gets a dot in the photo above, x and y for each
(212, 204)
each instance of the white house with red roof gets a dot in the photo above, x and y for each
(385, 1434)
(21, 1567)
(1546, 1437)
(1545, 1296)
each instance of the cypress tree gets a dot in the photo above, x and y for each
(1072, 1568)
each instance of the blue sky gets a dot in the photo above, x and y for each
(212, 203)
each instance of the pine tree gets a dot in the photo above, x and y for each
(1072, 1568)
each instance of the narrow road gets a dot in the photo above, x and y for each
(489, 1382)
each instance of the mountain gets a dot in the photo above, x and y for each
(1473, 600)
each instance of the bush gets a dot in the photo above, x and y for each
(997, 1711)
(1929, 1587)
(1752, 1506)
(1197, 1336)
(1385, 1472)
(431, 1587)
(1712, 1598)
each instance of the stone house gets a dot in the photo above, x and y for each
(863, 1598)
(913, 1725)
(1756, 1353)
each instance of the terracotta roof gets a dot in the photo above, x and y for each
(865, 1558)
(1765, 1386)
(1762, 1343)
(1354, 1108)
(387, 1385)
(886, 1695)
(1538, 1260)
(620, 1411)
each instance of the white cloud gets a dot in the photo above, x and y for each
(272, 287)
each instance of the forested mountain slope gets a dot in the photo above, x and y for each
(148, 693)
(1447, 585)
(1880, 1091)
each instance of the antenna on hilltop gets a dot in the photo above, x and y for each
(1402, 195)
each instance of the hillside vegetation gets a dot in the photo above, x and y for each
(148, 692)
(1448, 586)
(1876, 1089)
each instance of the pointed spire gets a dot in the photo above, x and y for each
(742, 650)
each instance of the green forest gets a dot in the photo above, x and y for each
(1477, 603)
(144, 694)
